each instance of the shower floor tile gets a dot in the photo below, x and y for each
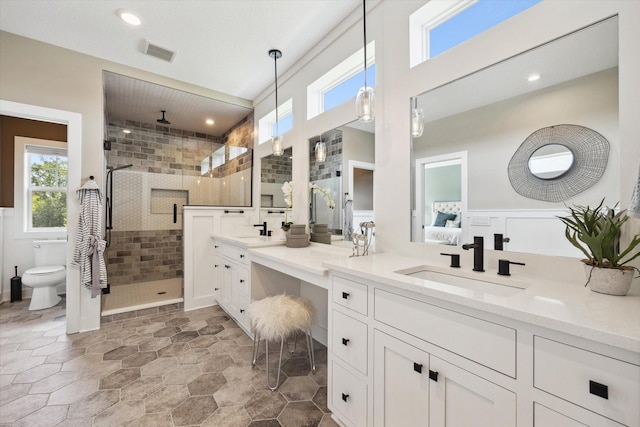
(138, 296)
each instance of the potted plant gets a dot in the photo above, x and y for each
(597, 232)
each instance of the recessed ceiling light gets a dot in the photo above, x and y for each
(209, 122)
(126, 131)
(533, 77)
(129, 17)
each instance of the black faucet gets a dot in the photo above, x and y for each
(498, 240)
(503, 266)
(263, 232)
(478, 252)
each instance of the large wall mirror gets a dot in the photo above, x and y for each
(274, 172)
(474, 125)
(345, 171)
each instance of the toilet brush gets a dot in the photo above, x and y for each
(16, 287)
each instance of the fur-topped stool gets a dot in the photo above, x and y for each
(276, 318)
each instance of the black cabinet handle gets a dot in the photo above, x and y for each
(241, 280)
(175, 213)
(598, 389)
(345, 397)
(241, 256)
(216, 266)
(215, 246)
(216, 289)
(227, 266)
(433, 375)
(242, 310)
(345, 341)
(417, 367)
(345, 295)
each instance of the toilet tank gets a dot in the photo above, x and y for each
(49, 252)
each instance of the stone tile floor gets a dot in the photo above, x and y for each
(155, 367)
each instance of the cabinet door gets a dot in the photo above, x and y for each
(401, 383)
(460, 398)
(218, 277)
(228, 272)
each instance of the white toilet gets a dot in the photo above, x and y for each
(50, 259)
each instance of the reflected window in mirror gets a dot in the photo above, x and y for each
(490, 112)
(267, 124)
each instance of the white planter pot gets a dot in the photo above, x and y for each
(608, 280)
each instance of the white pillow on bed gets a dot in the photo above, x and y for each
(452, 224)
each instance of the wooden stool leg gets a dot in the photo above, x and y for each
(274, 388)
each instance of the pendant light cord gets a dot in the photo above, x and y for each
(364, 21)
(275, 67)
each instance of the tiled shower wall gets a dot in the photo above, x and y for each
(333, 162)
(146, 244)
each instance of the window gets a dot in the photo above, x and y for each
(46, 188)
(441, 25)
(267, 124)
(341, 83)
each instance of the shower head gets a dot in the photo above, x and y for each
(163, 120)
(111, 168)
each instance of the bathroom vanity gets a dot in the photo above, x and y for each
(414, 344)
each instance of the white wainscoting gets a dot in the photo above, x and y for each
(531, 231)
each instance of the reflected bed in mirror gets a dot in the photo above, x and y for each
(275, 171)
(346, 173)
(488, 114)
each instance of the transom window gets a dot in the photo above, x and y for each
(46, 170)
(441, 25)
(341, 83)
(267, 124)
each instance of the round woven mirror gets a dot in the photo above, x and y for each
(557, 162)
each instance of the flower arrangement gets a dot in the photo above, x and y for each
(326, 194)
(287, 190)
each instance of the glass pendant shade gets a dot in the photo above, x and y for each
(321, 151)
(417, 122)
(276, 146)
(365, 104)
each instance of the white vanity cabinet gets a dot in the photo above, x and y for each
(234, 281)
(413, 387)
(400, 358)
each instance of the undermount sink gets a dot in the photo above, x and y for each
(474, 281)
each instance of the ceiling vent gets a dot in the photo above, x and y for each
(157, 51)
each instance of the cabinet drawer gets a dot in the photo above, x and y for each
(241, 306)
(483, 342)
(350, 294)
(243, 281)
(348, 396)
(350, 341)
(229, 251)
(599, 383)
(545, 417)
(242, 256)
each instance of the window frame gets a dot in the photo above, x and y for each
(339, 74)
(23, 189)
(268, 121)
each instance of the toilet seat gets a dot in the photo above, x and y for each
(44, 276)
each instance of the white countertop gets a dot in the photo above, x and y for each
(569, 308)
(309, 259)
(249, 241)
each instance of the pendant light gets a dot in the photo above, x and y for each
(276, 141)
(417, 120)
(321, 150)
(365, 101)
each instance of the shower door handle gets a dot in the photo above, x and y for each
(175, 213)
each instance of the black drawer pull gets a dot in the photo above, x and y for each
(242, 310)
(599, 389)
(215, 246)
(216, 289)
(241, 256)
(345, 341)
(216, 266)
(227, 266)
(345, 295)
(417, 367)
(241, 280)
(345, 397)
(433, 375)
